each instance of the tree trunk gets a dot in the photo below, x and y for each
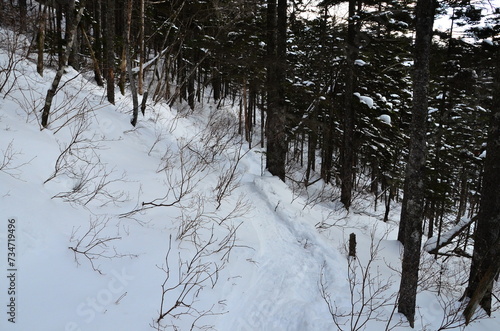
(464, 190)
(140, 78)
(191, 89)
(23, 11)
(327, 148)
(216, 83)
(311, 156)
(57, 79)
(41, 40)
(487, 235)
(60, 51)
(110, 50)
(483, 288)
(414, 183)
(276, 53)
(128, 62)
(95, 62)
(388, 200)
(97, 32)
(347, 151)
(73, 54)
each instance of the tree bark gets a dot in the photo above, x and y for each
(481, 296)
(412, 216)
(276, 70)
(487, 235)
(59, 17)
(95, 61)
(190, 88)
(110, 51)
(41, 40)
(347, 151)
(73, 54)
(140, 77)
(23, 10)
(128, 62)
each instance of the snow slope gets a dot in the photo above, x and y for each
(282, 247)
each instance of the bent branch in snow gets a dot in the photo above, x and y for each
(434, 244)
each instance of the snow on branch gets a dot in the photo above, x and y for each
(435, 243)
(364, 99)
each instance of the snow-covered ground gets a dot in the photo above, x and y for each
(231, 247)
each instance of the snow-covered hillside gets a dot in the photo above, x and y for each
(174, 225)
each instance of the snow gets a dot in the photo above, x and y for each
(385, 118)
(360, 63)
(365, 99)
(489, 42)
(381, 97)
(432, 110)
(284, 243)
(432, 243)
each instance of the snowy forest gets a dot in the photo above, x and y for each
(249, 165)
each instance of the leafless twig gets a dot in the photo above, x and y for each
(7, 162)
(94, 244)
(179, 296)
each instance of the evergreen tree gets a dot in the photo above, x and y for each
(486, 259)
(412, 213)
(276, 73)
(485, 266)
(348, 147)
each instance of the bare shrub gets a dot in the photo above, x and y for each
(28, 99)
(91, 181)
(68, 107)
(229, 177)
(195, 217)
(208, 230)
(192, 220)
(331, 218)
(447, 279)
(452, 314)
(183, 172)
(8, 164)
(71, 109)
(220, 133)
(12, 43)
(69, 153)
(94, 244)
(160, 135)
(369, 293)
(80, 162)
(180, 294)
